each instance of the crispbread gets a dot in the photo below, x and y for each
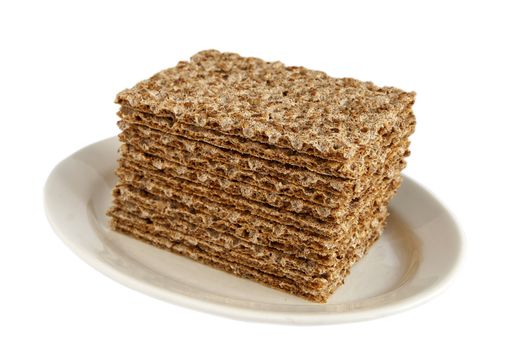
(256, 256)
(219, 261)
(203, 152)
(357, 167)
(274, 199)
(278, 174)
(252, 193)
(146, 149)
(200, 255)
(243, 223)
(169, 211)
(248, 191)
(253, 254)
(135, 175)
(290, 107)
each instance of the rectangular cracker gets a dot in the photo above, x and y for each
(202, 151)
(145, 145)
(344, 139)
(172, 213)
(252, 193)
(218, 261)
(354, 168)
(135, 174)
(294, 108)
(256, 255)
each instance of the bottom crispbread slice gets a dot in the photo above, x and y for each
(220, 261)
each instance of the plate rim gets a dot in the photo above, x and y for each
(258, 315)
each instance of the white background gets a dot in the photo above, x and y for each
(63, 63)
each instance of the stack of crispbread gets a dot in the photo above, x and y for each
(277, 174)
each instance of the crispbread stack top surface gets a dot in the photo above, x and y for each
(289, 107)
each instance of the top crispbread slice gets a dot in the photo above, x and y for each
(290, 107)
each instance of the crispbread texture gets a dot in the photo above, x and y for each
(158, 183)
(361, 164)
(290, 107)
(145, 145)
(304, 268)
(278, 174)
(205, 254)
(253, 193)
(236, 225)
(240, 222)
(237, 181)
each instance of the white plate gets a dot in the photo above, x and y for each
(413, 260)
